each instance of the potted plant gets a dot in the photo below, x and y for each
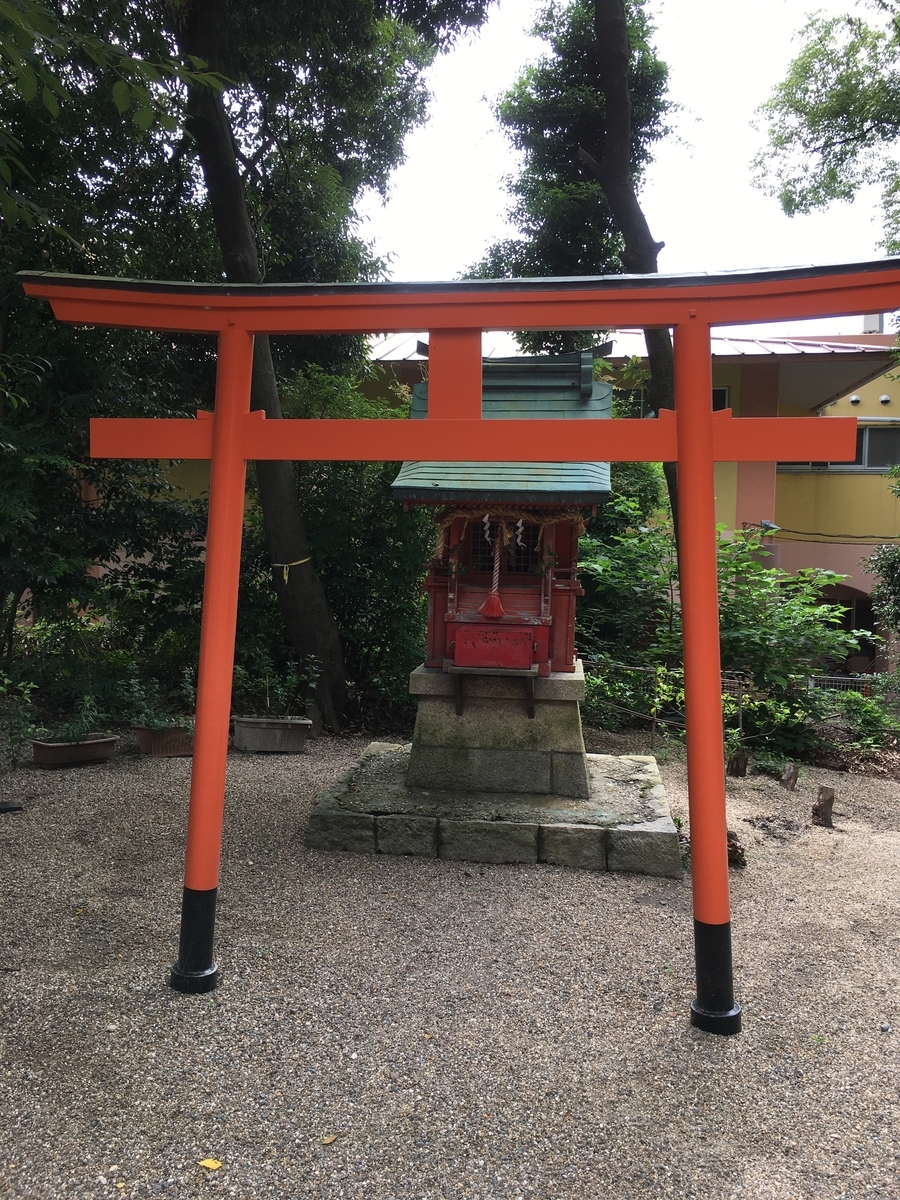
(268, 725)
(160, 730)
(166, 736)
(76, 742)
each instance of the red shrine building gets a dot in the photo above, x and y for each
(503, 582)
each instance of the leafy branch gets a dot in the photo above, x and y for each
(41, 54)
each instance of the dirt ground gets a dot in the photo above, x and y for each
(402, 1029)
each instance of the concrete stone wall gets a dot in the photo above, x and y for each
(494, 745)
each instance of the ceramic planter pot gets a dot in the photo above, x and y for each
(73, 754)
(271, 735)
(164, 743)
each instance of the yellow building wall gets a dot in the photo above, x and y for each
(869, 402)
(833, 503)
(856, 504)
(190, 477)
(727, 375)
(726, 493)
(838, 502)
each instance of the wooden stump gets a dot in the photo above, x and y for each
(789, 778)
(737, 764)
(821, 813)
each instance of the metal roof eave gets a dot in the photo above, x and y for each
(474, 286)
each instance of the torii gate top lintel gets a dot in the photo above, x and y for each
(602, 301)
(455, 314)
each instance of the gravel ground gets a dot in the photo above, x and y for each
(403, 1029)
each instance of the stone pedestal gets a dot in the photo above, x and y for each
(624, 825)
(499, 733)
(497, 773)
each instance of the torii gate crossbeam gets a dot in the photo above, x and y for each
(455, 314)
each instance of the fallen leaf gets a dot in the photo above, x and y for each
(212, 1164)
(332, 1137)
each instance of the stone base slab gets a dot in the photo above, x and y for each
(624, 825)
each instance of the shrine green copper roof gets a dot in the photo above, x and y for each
(544, 388)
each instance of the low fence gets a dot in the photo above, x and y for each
(662, 690)
(843, 683)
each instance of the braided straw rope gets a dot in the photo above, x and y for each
(506, 517)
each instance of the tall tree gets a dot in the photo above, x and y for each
(586, 118)
(60, 510)
(319, 98)
(345, 82)
(833, 123)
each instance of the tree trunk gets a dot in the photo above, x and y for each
(615, 175)
(304, 607)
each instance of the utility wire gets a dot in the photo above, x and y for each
(814, 533)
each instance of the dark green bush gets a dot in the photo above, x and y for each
(775, 630)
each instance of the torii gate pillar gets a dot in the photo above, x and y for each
(455, 315)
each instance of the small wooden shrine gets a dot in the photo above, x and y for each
(503, 581)
(499, 691)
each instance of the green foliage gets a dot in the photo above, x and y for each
(555, 108)
(268, 692)
(44, 59)
(775, 626)
(369, 553)
(769, 762)
(143, 702)
(808, 723)
(643, 486)
(16, 719)
(629, 607)
(884, 563)
(69, 658)
(617, 695)
(782, 725)
(371, 557)
(775, 630)
(60, 511)
(320, 98)
(833, 122)
(640, 485)
(861, 720)
(87, 719)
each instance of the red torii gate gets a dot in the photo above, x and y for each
(455, 314)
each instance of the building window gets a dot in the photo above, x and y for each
(881, 448)
(877, 450)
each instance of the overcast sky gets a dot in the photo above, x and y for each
(447, 202)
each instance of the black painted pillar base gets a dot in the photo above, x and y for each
(714, 1010)
(195, 970)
